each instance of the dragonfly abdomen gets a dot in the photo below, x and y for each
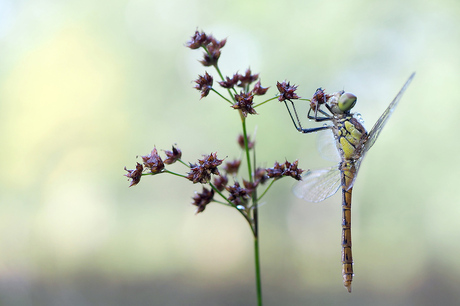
(348, 174)
(347, 258)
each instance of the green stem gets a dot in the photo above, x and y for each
(222, 78)
(222, 96)
(271, 183)
(242, 212)
(183, 163)
(265, 101)
(257, 264)
(246, 148)
(255, 218)
(174, 173)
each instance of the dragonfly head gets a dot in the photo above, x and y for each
(345, 102)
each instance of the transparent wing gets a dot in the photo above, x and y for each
(327, 148)
(318, 185)
(374, 133)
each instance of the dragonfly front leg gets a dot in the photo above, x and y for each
(316, 118)
(298, 125)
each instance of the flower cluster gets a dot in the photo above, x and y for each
(211, 46)
(286, 169)
(154, 163)
(242, 101)
(222, 178)
(201, 172)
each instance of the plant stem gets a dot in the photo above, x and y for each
(265, 101)
(246, 148)
(271, 183)
(222, 96)
(256, 249)
(257, 264)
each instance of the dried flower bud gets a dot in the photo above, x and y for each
(247, 78)
(292, 170)
(319, 97)
(250, 187)
(173, 156)
(198, 40)
(244, 103)
(276, 171)
(220, 182)
(135, 175)
(230, 82)
(200, 200)
(232, 167)
(238, 195)
(153, 161)
(260, 175)
(241, 142)
(286, 91)
(204, 84)
(258, 90)
(286, 169)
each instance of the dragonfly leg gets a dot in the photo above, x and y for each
(298, 125)
(316, 118)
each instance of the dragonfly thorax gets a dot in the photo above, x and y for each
(350, 135)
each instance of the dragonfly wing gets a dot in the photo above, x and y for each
(318, 185)
(377, 128)
(327, 148)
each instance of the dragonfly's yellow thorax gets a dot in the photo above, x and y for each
(350, 134)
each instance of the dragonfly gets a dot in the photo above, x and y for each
(352, 142)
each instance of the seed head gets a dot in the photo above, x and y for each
(276, 171)
(211, 57)
(286, 169)
(173, 156)
(135, 175)
(211, 45)
(247, 78)
(287, 92)
(230, 82)
(220, 182)
(153, 161)
(200, 200)
(204, 84)
(318, 98)
(238, 195)
(244, 103)
(232, 167)
(198, 40)
(241, 142)
(292, 170)
(260, 175)
(250, 187)
(258, 90)
(201, 172)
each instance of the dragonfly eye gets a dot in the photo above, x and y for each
(347, 101)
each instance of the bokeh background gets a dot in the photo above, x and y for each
(86, 86)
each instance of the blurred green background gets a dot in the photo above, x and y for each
(86, 86)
